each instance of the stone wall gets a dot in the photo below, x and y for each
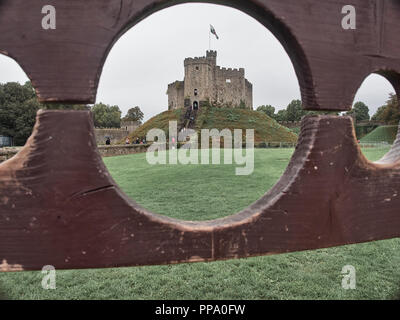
(119, 150)
(105, 151)
(7, 153)
(248, 94)
(115, 135)
(175, 95)
(129, 126)
(231, 87)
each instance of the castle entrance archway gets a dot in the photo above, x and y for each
(195, 105)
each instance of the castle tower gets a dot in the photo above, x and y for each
(199, 79)
(205, 81)
(211, 55)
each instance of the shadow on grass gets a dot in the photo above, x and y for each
(396, 296)
(3, 295)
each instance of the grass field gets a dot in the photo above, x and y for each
(207, 192)
(381, 134)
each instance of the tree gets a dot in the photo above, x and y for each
(25, 120)
(378, 116)
(13, 93)
(268, 110)
(360, 110)
(281, 115)
(294, 111)
(106, 116)
(18, 107)
(134, 114)
(390, 112)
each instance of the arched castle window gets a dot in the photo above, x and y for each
(195, 92)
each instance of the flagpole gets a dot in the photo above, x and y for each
(209, 39)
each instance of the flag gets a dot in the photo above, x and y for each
(212, 29)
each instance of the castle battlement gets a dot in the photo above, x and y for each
(197, 60)
(231, 72)
(209, 58)
(211, 53)
(206, 82)
(175, 84)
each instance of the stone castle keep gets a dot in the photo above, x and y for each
(206, 82)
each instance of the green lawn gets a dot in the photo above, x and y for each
(206, 192)
(197, 192)
(382, 134)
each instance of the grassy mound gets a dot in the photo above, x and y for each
(381, 134)
(265, 128)
(160, 121)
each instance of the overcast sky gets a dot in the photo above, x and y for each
(150, 56)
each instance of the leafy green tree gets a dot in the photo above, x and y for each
(106, 116)
(134, 114)
(18, 108)
(294, 111)
(360, 110)
(390, 112)
(378, 116)
(281, 115)
(268, 110)
(13, 92)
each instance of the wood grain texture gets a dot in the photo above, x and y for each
(331, 63)
(59, 205)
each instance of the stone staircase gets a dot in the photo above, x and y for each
(188, 119)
